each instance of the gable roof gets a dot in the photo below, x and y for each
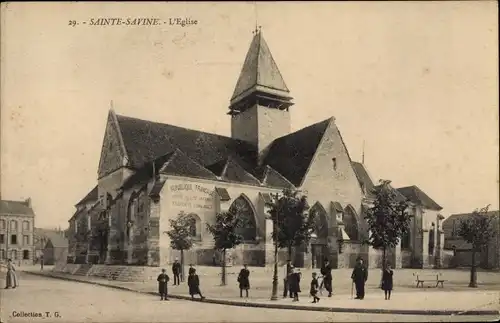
(90, 197)
(462, 216)
(15, 207)
(363, 177)
(417, 196)
(292, 154)
(259, 71)
(193, 153)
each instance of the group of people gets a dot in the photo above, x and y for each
(193, 281)
(359, 277)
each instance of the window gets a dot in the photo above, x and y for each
(334, 161)
(26, 240)
(2, 224)
(244, 211)
(2, 254)
(431, 242)
(26, 254)
(405, 241)
(192, 226)
(13, 225)
(13, 254)
(2, 238)
(26, 226)
(13, 239)
(89, 226)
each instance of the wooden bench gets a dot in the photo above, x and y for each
(431, 278)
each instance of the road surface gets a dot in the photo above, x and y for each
(63, 301)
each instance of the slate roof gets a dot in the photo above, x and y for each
(418, 197)
(15, 207)
(193, 153)
(292, 154)
(90, 197)
(363, 177)
(259, 71)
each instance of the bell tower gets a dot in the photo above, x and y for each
(261, 100)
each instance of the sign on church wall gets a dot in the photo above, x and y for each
(191, 196)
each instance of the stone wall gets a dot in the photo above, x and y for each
(350, 252)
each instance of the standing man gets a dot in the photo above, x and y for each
(286, 280)
(326, 271)
(359, 277)
(176, 271)
(41, 262)
(162, 284)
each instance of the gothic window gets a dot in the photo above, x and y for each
(244, 211)
(321, 224)
(351, 223)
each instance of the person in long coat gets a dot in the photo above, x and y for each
(194, 284)
(387, 274)
(176, 271)
(326, 271)
(360, 276)
(163, 284)
(244, 280)
(11, 277)
(294, 284)
(286, 284)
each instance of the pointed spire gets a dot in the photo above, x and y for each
(111, 105)
(260, 72)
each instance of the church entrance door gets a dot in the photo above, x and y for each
(317, 255)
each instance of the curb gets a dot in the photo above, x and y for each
(287, 307)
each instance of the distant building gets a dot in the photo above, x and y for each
(487, 258)
(17, 221)
(150, 172)
(56, 248)
(41, 237)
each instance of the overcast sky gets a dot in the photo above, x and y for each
(417, 81)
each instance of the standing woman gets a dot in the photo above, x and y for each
(387, 281)
(11, 278)
(244, 281)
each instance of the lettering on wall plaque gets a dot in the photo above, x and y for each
(192, 196)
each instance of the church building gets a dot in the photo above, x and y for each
(151, 172)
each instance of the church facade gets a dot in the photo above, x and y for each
(151, 172)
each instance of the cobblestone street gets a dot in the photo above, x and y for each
(76, 302)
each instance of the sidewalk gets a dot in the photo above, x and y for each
(417, 302)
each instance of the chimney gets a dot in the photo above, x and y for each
(28, 202)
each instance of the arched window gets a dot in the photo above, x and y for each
(320, 221)
(351, 222)
(244, 211)
(131, 211)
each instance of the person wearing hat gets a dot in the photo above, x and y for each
(326, 271)
(194, 284)
(191, 269)
(11, 277)
(359, 277)
(176, 271)
(162, 284)
(294, 284)
(244, 280)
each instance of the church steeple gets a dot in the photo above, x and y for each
(260, 81)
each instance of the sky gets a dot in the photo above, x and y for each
(416, 81)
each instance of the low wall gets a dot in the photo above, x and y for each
(350, 252)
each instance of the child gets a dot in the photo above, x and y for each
(243, 280)
(194, 284)
(314, 288)
(295, 284)
(162, 284)
(387, 281)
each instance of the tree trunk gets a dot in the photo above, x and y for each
(384, 260)
(473, 273)
(290, 254)
(223, 274)
(182, 265)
